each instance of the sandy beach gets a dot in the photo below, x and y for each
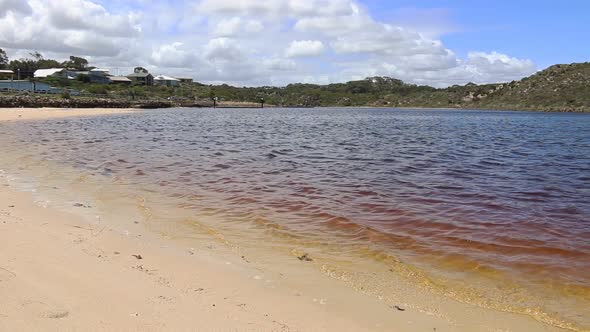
(58, 273)
(61, 272)
(11, 114)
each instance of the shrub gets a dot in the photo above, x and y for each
(83, 78)
(98, 89)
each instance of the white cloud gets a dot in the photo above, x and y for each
(492, 65)
(304, 48)
(276, 8)
(66, 26)
(15, 7)
(251, 42)
(88, 16)
(223, 49)
(236, 26)
(479, 68)
(173, 55)
(280, 64)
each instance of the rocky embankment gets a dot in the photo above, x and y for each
(43, 101)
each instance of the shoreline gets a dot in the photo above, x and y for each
(15, 114)
(60, 273)
(41, 102)
(139, 108)
(61, 270)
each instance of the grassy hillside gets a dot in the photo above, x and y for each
(557, 88)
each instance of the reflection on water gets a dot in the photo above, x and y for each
(504, 195)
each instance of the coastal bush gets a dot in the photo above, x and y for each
(83, 78)
(137, 91)
(97, 89)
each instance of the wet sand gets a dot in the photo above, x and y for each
(58, 271)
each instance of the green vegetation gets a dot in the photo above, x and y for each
(27, 66)
(557, 88)
(77, 63)
(3, 59)
(66, 95)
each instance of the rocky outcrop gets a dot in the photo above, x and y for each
(44, 101)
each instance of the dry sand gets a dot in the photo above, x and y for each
(59, 272)
(10, 114)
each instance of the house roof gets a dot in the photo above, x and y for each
(165, 78)
(47, 72)
(2, 71)
(119, 79)
(139, 75)
(73, 74)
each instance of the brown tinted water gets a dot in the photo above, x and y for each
(491, 208)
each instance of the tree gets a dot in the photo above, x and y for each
(42, 63)
(24, 67)
(3, 59)
(138, 70)
(27, 67)
(83, 78)
(48, 63)
(76, 63)
(36, 55)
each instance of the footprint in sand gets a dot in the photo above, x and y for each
(44, 310)
(57, 314)
(6, 275)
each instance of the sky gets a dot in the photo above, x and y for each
(278, 42)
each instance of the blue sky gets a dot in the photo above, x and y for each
(547, 32)
(276, 42)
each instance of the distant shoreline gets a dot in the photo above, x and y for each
(26, 101)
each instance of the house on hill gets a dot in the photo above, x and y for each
(51, 72)
(73, 74)
(141, 76)
(166, 80)
(97, 75)
(185, 80)
(120, 80)
(100, 76)
(6, 74)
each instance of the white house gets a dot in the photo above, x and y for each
(55, 72)
(166, 80)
